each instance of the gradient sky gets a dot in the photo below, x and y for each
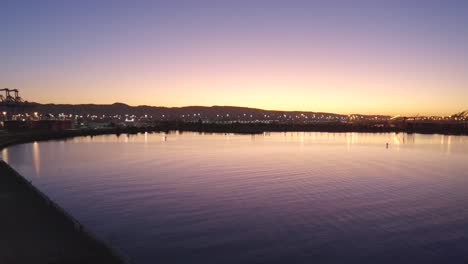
(381, 57)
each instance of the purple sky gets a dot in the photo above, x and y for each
(398, 57)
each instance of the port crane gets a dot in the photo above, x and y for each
(8, 99)
(404, 118)
(11, 103)
(461, 115)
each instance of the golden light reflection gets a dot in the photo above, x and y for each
(397, 141)
(354, 138)
(5, 155)
(348, 142)
(449, 144)
(36, 158)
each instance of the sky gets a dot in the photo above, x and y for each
(370, 57)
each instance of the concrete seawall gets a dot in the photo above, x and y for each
(34, 229)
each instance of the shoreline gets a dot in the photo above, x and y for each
(9, 138)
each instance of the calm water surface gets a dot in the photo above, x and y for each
(272, 198)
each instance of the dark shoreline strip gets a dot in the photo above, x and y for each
(87, 246)
(9, 138)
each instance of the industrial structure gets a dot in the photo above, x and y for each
(12, 105)
(6, 99)
(461, 115)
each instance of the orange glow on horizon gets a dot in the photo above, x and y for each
(321, 92)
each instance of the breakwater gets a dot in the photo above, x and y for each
(37, 230)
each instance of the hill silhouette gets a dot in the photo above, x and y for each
(226, 112)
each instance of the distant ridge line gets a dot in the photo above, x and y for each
(122, 108)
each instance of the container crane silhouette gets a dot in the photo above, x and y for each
(8, 99)
(462, 114)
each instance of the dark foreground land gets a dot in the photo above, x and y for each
(35, 230)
